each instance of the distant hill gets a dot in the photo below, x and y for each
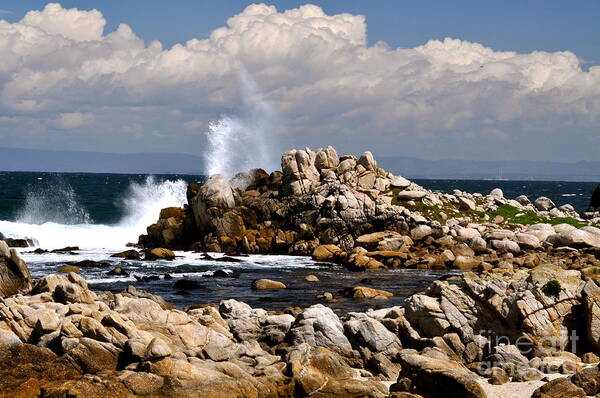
(486, 169)
(15, 159)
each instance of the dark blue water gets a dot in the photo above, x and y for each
(98, 198)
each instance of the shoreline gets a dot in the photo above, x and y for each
(520, 318)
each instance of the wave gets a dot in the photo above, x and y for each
(54, 219)
(52, 201)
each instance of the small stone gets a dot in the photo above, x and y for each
(497, 376)
(267, 284)
(69, 268)
(311, 278)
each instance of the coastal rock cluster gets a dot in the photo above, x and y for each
(347, 209)
(536, 330)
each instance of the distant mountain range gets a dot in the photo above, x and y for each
(15, 159)
(496, 170)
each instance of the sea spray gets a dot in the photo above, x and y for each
(143, 202)
(141, 205)
(52, 200)
(238, 143)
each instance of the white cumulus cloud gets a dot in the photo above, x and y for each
(444, 99)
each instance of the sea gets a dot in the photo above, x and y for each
(102, 213)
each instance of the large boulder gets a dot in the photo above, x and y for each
(544, 204)
(321, 373)
(559, 388)
(432, 374)
(576, 238)
(368, 332)
(14, 274)
(320, 326)
(215, 193)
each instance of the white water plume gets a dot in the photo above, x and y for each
(245, 141)
(52, 201)
(142, 205)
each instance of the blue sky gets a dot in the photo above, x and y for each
(437, 80)
(523, 26)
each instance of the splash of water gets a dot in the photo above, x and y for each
(142, 206)
(245, 141)
(52, 201)
(144, 201)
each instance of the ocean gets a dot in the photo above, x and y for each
(101, 213)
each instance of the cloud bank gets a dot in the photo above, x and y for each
(66, 83)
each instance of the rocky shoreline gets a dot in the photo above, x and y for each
(531, 332)
(521, 318)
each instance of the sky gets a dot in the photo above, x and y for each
(436, 80)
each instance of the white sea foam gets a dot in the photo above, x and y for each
(142, 205)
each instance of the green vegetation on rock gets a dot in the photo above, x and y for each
(510, 214)
(552, 288)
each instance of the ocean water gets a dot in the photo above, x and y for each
(101, 213)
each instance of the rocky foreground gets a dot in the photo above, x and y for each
(530, 332)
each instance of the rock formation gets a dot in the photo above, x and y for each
(320, 198)
(14, 274)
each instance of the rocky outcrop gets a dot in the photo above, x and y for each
(318, 198)
(14, 274)
(348, 210)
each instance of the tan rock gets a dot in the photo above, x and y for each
(169, 212)
(465, 262)
(326, 252)
(367, 292)
(267, 284)
(160, 253)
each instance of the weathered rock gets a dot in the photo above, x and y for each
(319, 372)
(14, 274)
(267, 284)
(411, 195)
(319, 326)
(128, 254)
(559, 388)
(369, 332)
(466, 203)
(588, 379)
(577, 238)
(544, 204)
(367, 292)
(421, 232)
(431, 375)
(497, 193)
(160, 254)
(497, 376)
(326, 252)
